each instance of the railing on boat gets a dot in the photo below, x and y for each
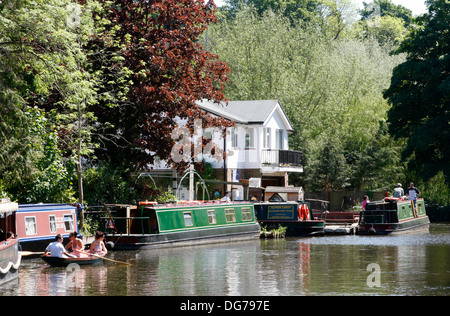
(107, 223)
(379, 216)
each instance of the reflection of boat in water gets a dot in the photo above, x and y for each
(151, 225)
(392, 215)
(64, 262)
(295, 216)
(10, 257)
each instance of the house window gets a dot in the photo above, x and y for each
(212, 217)
(234, 137)
(266, 137)
(68, 223)
(246, 214)
(230, 215)
(188, 219)
(52, 220)
(30, 225)
(249, 138)
(279, 139)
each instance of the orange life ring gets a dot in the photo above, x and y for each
(147, 203)
(306, 212)
(300, 212)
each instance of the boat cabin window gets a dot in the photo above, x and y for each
(52, 220)
(230, 215)
(68, 223)
(246, 214)
(30, 225)
(212, 217)
(188, 219)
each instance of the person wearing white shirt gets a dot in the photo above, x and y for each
(56, 248)
(412, 192)
(226, 198)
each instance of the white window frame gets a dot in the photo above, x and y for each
(266, 137)
(230, 215)
(246, 214)
(52, 223)
(212, 217)
(70, 222)
(188, 220)
(30, 228)
(249, 138)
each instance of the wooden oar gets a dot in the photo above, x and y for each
(94, 255)
(31, 253)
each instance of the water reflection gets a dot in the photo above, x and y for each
(413, 264)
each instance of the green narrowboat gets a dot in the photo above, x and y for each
(392, 215)
(151, 225)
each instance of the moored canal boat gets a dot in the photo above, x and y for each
(392, 215)
(37, 224)
(10, 257)
(150, 225)
(295, 216)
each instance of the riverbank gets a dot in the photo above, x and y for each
(437, 213)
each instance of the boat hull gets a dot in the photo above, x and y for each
(10, 259)
(394, 228)
(185, 238)
(64, 262)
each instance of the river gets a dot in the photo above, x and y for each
(407, 264)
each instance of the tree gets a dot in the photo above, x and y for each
(420, 94)
(386, 8)
(330, 88)
(296, 11)
(168, 72)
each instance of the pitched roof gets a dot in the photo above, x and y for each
(244, 112)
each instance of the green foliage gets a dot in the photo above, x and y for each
(420, 94)
(167, 197)
(50, 181)
(331, 91)
(107, 184)
(385, 8)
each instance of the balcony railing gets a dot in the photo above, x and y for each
(281, 157)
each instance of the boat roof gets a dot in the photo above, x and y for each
(6, 206)
(44, 207)
(182, 204)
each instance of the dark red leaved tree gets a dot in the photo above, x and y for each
(158, 41)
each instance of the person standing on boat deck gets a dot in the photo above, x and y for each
(98, 246)
(56, 248)
(364, 202)
(398, 191)
(226, 198)
(412, 192)
(76, 244)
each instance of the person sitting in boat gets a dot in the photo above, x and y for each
(398, 191)
(56, 248)
(226, 198)
(98, 246)
(364, 202)
(76, 244)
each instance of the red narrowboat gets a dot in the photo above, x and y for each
(9, 245)
(37, 224)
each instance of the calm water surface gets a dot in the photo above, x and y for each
(408, 264)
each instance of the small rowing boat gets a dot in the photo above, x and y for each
(64, 262)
